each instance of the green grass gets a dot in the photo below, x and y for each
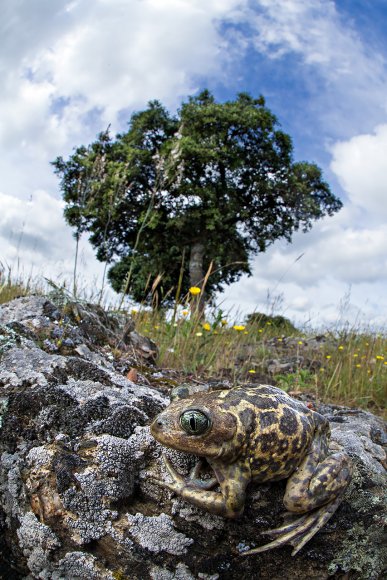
(349, 368)
(12, 286)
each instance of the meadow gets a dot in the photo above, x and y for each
(347, 367)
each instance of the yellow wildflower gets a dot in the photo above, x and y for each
(252, 371)
(206, 326)
(260, 330)
(194, 290)
(340, 347)
(355, 355)
(246, 332)
(358, 366)
(238, 327)
(223, 322)
(300, 342)
(328, 356)
(379, 357)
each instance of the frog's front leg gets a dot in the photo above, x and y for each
(229, 502)
(316, 486)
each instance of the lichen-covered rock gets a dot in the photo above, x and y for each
(157, 534)
(77, 498)
(58, 324)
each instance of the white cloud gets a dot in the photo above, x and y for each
(70, 68)
(316, 31)
(343, 73)
(117, 54)
(34, 237)
(360, 165)
(345, 253)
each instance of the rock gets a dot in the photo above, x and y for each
(77, 460)
(63, 326)
(285, 355)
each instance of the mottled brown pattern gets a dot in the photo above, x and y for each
(258, 434)
(267, 418)
(288, 424)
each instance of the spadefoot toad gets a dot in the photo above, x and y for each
(256, 434)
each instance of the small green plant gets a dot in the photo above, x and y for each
(15, 284)
(280, 323)
(347, 368)
(303, 379)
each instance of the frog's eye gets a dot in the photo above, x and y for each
(194, 422)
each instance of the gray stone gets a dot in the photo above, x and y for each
(77, 498)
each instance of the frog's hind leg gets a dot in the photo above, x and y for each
(300, 531)
(314, 490)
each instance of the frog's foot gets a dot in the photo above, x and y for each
(300, 531)
(193, 481)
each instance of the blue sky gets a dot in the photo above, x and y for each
(72, 67)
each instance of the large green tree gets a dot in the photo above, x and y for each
(176, 197)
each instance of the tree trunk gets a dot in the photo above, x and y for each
(196, 273)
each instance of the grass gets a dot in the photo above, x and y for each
(347, 368)
(13, 286)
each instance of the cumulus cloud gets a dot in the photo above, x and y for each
(71, 68)
(360, 165)
(120, 54)
(106, 56)
(34, 236)
(342, 255)
(342, 71)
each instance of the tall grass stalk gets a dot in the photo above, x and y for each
(347, 368)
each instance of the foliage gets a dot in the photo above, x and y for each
(15, 285)
(303, 379)
(351, 372)
(178, 196)
(349, 368)
(280, 323)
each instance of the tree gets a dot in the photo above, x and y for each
(176, 197)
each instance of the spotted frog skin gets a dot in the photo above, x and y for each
(256, 434)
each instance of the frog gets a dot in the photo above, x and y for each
(255, 434)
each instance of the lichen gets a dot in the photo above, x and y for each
(76, 450)
(361, 553)
(8, 338)
(80, 566)
(157, 533)
(37, 541)
(3, 408)
(182, 572)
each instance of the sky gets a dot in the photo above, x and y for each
(71, 68)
